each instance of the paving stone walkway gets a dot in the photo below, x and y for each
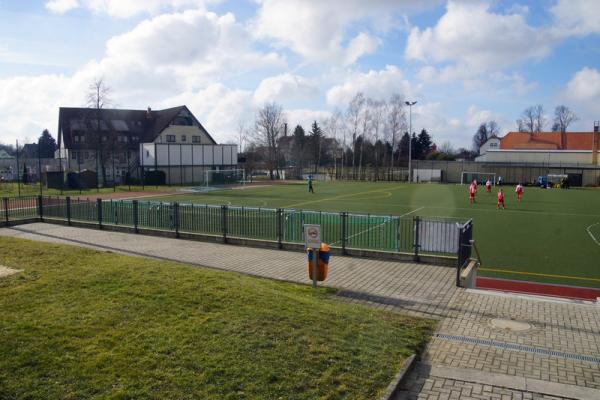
(557, 356)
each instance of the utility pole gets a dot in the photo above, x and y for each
(410, 104)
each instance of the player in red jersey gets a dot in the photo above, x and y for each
(501, 199)
(472, 192)
(519, 191)
(488, 186)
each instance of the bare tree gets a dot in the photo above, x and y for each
(103, 139)
(396, 121)
(242, 132)
(353, 114)
(98, 95)
(533, 119)
(493, 128)
(446, 148)
(377, 121)
(268, 127)
(563, 116)
(365, 120)
(332, 127)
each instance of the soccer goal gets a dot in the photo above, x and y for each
(481, 177)
(224, 177)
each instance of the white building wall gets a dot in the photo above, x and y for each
(490, 144)
(538, 156)
(162, 154)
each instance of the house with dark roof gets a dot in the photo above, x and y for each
(117, 143)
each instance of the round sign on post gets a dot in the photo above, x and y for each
(312, 240)
(312, 236)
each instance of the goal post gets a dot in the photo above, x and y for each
(481, 177)
(220, 177)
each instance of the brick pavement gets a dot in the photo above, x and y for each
(424, 290)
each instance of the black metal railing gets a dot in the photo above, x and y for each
(465, 235)
(409, 235)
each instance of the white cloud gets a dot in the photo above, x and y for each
(476, 39)
(376, 84)
(126, 8)
(318, 30)
(584, 90)
(285, 87)
(577, 17)
(218, 108)
(61, 6)
(305, 117)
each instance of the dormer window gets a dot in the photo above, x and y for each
(170, 138)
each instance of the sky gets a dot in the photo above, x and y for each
(464, 62)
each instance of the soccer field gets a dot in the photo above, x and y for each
(551, 236)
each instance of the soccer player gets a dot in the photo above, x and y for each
(310, 185)
(472, 192)
(501, 199)
(519, 191)
(488, 186)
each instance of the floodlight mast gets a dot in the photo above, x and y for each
(410, 104)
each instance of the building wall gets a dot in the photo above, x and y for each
(162, 154)
(491, 144)
(179, 131)
(538, 156)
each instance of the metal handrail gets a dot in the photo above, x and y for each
(472, 242)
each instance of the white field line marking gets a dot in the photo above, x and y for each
(589, 231)
(378, 225)
(410, 212)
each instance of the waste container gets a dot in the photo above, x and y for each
(323, 264)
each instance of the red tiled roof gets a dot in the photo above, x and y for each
(546, 141)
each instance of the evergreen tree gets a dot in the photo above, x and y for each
(299, 146)
(46, 145)
(423, 145)
(316, 138)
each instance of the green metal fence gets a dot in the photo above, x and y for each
(343, 230)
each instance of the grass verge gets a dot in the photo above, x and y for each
(79, 323)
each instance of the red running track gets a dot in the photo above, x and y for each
(543, 289)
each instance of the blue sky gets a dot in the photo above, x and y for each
(465, 62)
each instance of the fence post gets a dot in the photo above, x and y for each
(417, 242)
(40, 207)
(459, 261)
(99, 210)
(279, 228)
(135, 216)
(5, 201)
(176, 218)
(69, 210)
(224, 222)
(344, 217)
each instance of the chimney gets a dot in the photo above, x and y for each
(285, 129)
(595, 142)
(149, 113)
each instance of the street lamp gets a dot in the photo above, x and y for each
(409, 104)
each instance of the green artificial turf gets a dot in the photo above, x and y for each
(78, 323)
(550, 232)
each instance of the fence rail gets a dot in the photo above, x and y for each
(409, 235)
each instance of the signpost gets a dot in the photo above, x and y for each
(312, 239)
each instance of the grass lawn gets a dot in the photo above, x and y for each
(555, 233)
(79, 323)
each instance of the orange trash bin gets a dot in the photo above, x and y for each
(323, 264)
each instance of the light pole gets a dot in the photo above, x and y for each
(409, 104)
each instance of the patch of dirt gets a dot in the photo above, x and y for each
(5, 271)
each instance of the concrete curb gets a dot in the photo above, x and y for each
(393, 387)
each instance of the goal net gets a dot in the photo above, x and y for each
(481, 177)
(224, 177)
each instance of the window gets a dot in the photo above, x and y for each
(183, 138)
(491, 145)
(182, 120)
(76, 138)
(170, 138)
(148, 153)
(195, 139)
(74, 155)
